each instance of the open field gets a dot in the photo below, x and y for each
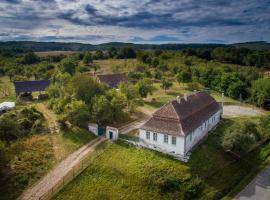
(116, 65)
(54, 53)
(126, 172)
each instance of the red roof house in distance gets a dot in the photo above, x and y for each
(180, 124)
(112, 80)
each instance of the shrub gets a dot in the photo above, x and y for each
(240, 136)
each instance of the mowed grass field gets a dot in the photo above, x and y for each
(122, 171)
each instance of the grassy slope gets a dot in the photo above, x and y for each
(123, 172)
(31, 158)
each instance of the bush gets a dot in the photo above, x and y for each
(193, 188)
(193, 86)
(9, 128)
(240, 136)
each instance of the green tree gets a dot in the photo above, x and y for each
(260, 92)
(67, 65)
(184, 76)
(83, 87)
(101, 110)
(166, 84)
(132, 96)
(145, 87)
(112, 52)
(240, 136)
(53, 91)
(126, 52)
(9, 128)
(118, 103)
(78, 113)
(237, 89)
(87, 58)
(30, 58)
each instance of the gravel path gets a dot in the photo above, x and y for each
(54, 177)
(239, 111)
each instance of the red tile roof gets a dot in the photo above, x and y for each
(180, 118)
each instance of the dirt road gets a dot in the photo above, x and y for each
(55, 176)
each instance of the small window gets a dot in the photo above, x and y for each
(155, 136)
(165, 138)
(190, 137)
(173, 140)
(147, 135)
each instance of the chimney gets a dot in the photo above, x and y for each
(185, 96)
(178, 99)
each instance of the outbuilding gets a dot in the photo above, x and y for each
(5, 106)
(31, 86)
(112, 80)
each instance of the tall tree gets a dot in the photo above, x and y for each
(166, 84)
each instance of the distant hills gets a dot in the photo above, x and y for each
(261, 45)
(24, 46)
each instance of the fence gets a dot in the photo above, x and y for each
(73, 173)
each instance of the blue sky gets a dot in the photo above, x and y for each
(138, 21)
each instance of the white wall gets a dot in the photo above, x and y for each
(193, 138)
(183, 144)
(168, 147)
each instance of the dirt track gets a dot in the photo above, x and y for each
(55, 176)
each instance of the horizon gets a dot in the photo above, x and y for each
(134, 43)
(144, 22)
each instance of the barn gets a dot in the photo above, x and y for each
(112, 80)
(31, 86)
(180, 125)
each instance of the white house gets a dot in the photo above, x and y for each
(180, 124)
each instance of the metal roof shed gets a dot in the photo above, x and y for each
(31, 86)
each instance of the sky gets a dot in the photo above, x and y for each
(137, 21)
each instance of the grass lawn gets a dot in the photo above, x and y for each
(160, 97)
(126, 172)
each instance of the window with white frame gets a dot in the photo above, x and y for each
(190, 137)
(147, 135)
(165, 138)
(173, 140)
(155, 136)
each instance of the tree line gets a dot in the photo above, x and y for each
(240, 56)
